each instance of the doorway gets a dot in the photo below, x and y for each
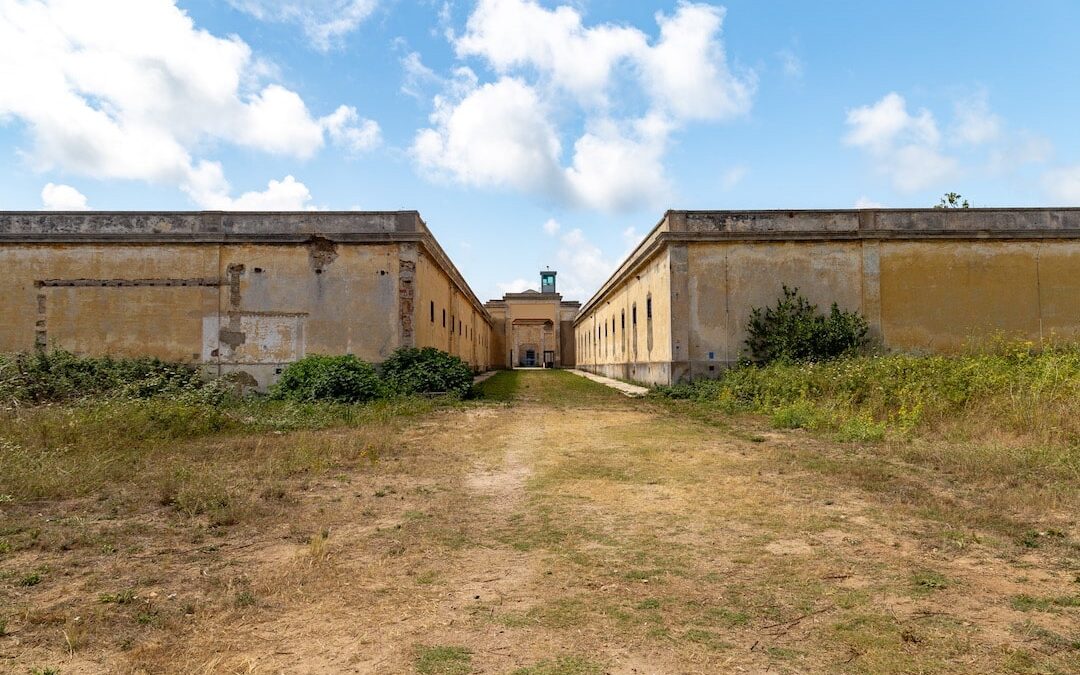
(530, 358)
(549, 359)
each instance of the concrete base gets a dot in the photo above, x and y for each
(652, 373)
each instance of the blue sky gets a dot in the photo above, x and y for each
(536, 133)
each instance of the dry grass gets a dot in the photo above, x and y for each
(567, 530)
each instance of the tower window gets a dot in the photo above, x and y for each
(444, 318)
(432, 311)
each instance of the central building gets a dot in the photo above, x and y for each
(533, 329)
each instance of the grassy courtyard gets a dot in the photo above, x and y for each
(551, 526)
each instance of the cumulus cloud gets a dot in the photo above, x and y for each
(975, 123)
(1063, 184)
(347, 129)
(105, 101)
(62, 198)
(209, 189)
(903, 146)
(324, 22)
(549, 61)
(914, 154)
(496, 135)
(515, 286)
(866, 203)
(582, 264)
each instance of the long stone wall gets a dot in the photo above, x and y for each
(927, 280)
(234, 292)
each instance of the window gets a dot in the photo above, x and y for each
(444, 318)
(622, 320)
(451, 323)
(432, 311)
(648, 323)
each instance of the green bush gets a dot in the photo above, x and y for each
(795, 331)
(424, 371)
(342, 379)
(48, 377)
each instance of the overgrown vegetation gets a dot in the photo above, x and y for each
(794, 330)
(342, 379)
(426, 371)
(1019, 388)
(59, 376)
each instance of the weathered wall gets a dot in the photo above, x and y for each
(244, 293)
(926, 280)
(616, 336)
(526, 309)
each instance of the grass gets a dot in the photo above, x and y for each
(1001, 427)
(441, 660)
(553, 528)
(556, 388)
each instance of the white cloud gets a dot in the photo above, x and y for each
(551, 227)
(975, 124)
(102, 100)
(865, 202)
(347, 129)
(62, 198)
(542, 55)
(515, 286)
(324, 22)
(584, 263)
(617, 167)
(210, 190)
(497, 135)
(418, 76)
(1063, 184)
(686, 71)
(903, 146)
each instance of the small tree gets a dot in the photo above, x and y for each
(425, 371)
(343, 379)
(795, 331)
(953, 200)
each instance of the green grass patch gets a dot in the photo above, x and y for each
(442, 660)
(567, 665)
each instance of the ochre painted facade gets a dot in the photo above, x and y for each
(235, 293)
(533, 328)
(927, 281)
(250, 292)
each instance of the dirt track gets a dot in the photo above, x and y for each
(579, 531)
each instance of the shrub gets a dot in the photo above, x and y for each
(47, 377)
(428, 370)
(795, 331)
(343, 379)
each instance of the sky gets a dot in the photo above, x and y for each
(536, 133)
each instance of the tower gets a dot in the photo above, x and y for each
(547, 281)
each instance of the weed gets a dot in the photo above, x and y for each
(1027, 603)
(651, 603)
(567, 665)
(30, 579)
(244, 599)
(928, 581)
(3, 627)
(707, 638)
(45, 671)
(441, 660)
(124, 597)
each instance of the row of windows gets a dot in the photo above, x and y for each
(461, 330)
(591, 345)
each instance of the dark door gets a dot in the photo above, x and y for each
(549, 359)
(530, 357)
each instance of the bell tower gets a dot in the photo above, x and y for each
(547, 281)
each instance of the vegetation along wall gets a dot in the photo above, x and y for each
(235, 292)
(928, 280)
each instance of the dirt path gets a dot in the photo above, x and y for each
(578, 531)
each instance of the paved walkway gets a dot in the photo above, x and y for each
(631, 390)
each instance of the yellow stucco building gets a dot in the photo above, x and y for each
(248, 293)
(243, 293)
(533, 328)
(927, 280)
